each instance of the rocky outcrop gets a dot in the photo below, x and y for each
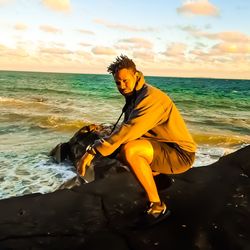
(210, 210)
(74, 149)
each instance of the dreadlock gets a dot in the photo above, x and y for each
(121, 62)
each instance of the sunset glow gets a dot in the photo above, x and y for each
(198, 38)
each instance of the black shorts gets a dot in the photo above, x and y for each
(169, 158)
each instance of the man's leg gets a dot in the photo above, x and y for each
(138, 154)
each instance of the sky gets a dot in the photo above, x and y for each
(190, 38)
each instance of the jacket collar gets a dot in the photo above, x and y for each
(140, 81)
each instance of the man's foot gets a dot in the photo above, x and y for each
(156, 208)
(155, 213)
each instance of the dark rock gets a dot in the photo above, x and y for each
(75, 148)
(210, 210)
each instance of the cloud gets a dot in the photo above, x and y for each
(2, 2)
(99, 50)
(58, 5)
(222, 53)
(198, 7)
(56, 44)
(122, 27)
(228, 36)
(85, 44)
(198, 53)
(55, 51)
(144, 55)
(189, 28)
(83, 55)
(224, 48)
(88, 32)
(50, 29)
(213, 62)
(20, 26)
(135, 42)
(12, 53)
(175, 50)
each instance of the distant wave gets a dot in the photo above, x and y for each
(74, 92)
(24, 101)
(55, 122)
(60, 123)
(226, 140)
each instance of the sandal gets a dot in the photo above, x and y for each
(155, 213)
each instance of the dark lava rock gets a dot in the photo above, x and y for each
(210, 210)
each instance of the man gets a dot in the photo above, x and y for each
(152, 139)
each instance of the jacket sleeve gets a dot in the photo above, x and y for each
(147, 114)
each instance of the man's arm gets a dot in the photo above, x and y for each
(149, 113)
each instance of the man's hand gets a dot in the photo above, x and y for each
(84, 162)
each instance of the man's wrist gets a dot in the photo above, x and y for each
(91, 150)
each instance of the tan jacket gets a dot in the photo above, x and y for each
(151, 115)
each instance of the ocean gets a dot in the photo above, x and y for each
(40, 110)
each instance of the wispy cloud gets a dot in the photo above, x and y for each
(135, 42)
(56, 44)
(175, 50)
(83, 57)
(88, 32)
(189, 28)
(58, 5)
(222, 53)
(123, 27)
(50, 29)
(55, 51)
(84, 54)
(144, 55)
(224, 48)
(2, 2)
(225, 36)
(20, 26)
(85, 44)
(198, 7)
(10, 52)
(100, 50)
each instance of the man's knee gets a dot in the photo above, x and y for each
(128, 151)
(137, 148)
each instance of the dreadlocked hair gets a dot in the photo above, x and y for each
(121, 62)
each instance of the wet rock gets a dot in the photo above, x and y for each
(209, 205)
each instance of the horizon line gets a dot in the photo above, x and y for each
(77, 73)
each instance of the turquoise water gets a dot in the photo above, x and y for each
(39, 110)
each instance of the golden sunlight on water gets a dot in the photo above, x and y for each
(221, 140)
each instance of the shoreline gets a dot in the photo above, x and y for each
(203, 202)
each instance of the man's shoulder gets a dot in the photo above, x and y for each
(154, 91)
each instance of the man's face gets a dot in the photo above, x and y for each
(125, 80)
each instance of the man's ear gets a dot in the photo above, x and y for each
(137, 75)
